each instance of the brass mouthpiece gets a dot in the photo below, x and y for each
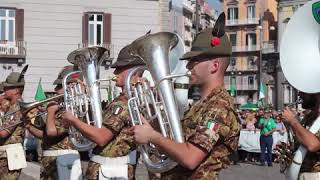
(114, 78)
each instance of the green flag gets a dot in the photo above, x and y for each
(261, 91)
(233, 86)
(40, 93)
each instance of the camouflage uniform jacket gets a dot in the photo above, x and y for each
(116, 118)
(16, 136)
(16, 132)
(212, 126)
(311, 162)
(61, 141)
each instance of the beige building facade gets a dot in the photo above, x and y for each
(251, 26)
(43, 33)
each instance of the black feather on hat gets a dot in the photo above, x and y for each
(219, 27)
(23, 72)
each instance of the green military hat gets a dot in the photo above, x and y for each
(15, 79)
(66, 70)
(125, 59)
(211, 42)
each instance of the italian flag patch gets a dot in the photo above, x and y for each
(213, 126)
(117, 109)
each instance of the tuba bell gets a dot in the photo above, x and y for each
(158, 104)
(304, 28)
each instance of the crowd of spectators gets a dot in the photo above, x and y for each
(249, 120)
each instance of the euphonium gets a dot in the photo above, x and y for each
(83, 99)
(304, 28)
(157, 104)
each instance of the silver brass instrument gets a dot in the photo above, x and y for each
(84, 100)
(304, 28)
(285, 150)
(158, 103)
(25, 108)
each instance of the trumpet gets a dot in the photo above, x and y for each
(25, 108)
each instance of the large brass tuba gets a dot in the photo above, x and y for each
(84, 100)
(303, 28)
(157, 104)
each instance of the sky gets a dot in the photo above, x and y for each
(215, 4)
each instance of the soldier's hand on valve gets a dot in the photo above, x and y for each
(53, 107)
(144, 133)
(68, 118)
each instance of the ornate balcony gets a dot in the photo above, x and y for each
(12, 50)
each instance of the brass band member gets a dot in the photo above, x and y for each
(4, 104)
(311, 164)
(12, 158)
(210, 126)
(114, 143)
(54, 135)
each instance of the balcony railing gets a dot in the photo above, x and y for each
(247, 21)
(269, 47)
(243, 87)
(233, 22)
(251, 21)
(242, 68)
(110, 47)
(15, 49)
(245, 48)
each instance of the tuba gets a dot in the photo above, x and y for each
(303, 27)
(158, 104)
(83, 99)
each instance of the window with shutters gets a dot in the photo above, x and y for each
(251, 11)
(233, 39)
(96, 29)
(251, 41)
(95, 35)
(12, 44)
(7, 25)
(233, 13)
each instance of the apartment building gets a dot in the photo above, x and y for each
(206, 18)
(250, 25)
(43, 33)
(188, 30)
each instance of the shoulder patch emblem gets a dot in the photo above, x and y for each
(211, 125)
(117, 109)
